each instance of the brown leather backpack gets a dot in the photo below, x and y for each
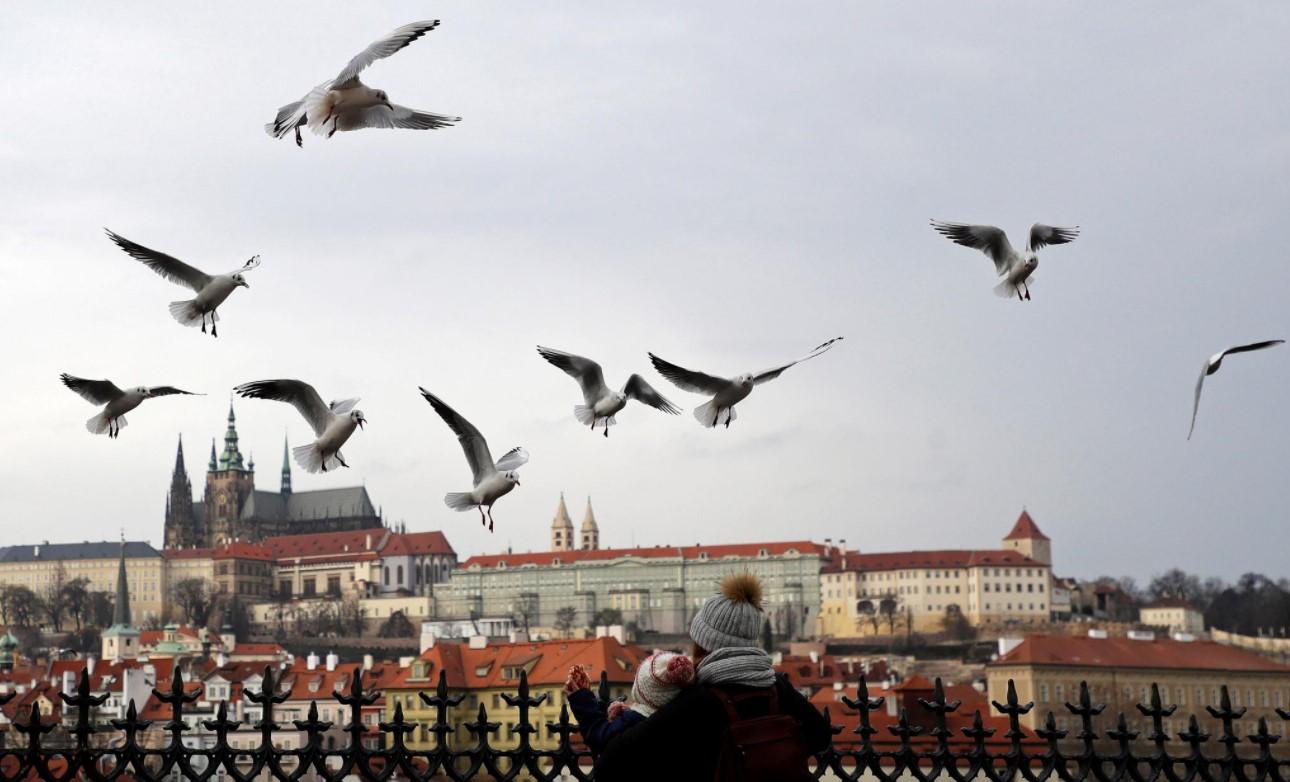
(760, 745)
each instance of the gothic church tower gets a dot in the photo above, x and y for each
(181, 526)
(229, 484)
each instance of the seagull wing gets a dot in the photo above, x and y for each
(513, 459)
(688, 379)
(396, 116)
(169, 390)
(381, 49)
(1252, 346)
(341, 406)
(169, 267)
(642, 391)
(98, 392)
(296, 393)
(1195, 407)
(1043, 235)
(986, 238)
(472, 442)
(771, 374)
(246, 267)
(587, 372)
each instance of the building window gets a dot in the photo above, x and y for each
(399, 572)
(333, 586)
(387, 575)
(309, 588)
(1043, 693)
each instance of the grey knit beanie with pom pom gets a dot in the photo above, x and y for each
(732, 619)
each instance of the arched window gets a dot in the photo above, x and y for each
(400, 573)
(387, 575)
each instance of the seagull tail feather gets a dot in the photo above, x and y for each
(100, 423)
(584, 414)
(309, 457)
(709, 415)
(317, 110)
(188, 313)
(458, 500)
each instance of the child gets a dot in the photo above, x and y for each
(658, 680)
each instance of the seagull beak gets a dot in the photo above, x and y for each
(387, 105)
(361, 421)
(517, 481)
(245, 284)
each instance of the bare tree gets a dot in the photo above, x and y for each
(868, 614)
(397, 626)
(955, 625)
(19, 606)
(351, 614)
(565, 618)
(195, 598)
(99, 609)
(55, 598)
(606, 617)
(76, 600)
(889, 609)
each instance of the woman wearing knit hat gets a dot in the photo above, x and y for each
(659, 679)
(741, 723)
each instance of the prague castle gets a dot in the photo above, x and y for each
(232, 508)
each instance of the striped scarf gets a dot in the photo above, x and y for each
(737, 665)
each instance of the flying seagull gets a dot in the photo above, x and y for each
(492, 481)
(725, 391)
(602, 403)
(1015, 269)
(116, 402)
(346, 103)
(332, 423)
(211, 290)
(1214, 362)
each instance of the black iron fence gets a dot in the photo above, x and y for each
(116, 749)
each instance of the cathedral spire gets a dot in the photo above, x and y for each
(286, 467)
(180, 472)
(121, 611)
(214, 465)
(562, 528)
(231, 459)
(590, 530)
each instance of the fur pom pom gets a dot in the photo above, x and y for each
(680, 671)
(742, 588)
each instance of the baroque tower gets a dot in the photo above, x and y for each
(1027, 538)
(286, 468)
(562, 528)
(181, 526)
(590, 530)
(229, 484)
(121, 640)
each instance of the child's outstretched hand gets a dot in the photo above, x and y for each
(615, 708)
(577, 679)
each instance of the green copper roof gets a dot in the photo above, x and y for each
(231, 459)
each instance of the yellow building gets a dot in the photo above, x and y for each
(40, 567)
(1173, 614)
(868, 594)
(1048, 669)
(483, 673)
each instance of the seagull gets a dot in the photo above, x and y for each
(602, 403)
(1014, 269)
(332, 423)
(345, 103)
(116, 402)
(492, 481)
(1214, 362)
(725, 392)
(211, 290)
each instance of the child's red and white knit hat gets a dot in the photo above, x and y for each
(659, 679)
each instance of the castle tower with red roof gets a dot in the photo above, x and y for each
(1027, 539)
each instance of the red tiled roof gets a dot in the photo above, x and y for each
(946, 558)
(1025, 529)
(327, 543)
(409, 543)
(187, 553)
(971, 699)
(546, 662)
(744, 550)
(243, 649)
(1119, 652)
(802, 673)
(243, 550)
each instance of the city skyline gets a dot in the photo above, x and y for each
(719, 190)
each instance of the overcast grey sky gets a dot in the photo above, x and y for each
(725, 184)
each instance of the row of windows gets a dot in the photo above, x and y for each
(1201, 696)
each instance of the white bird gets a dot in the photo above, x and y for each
(212, 290)
(345, 103)
(725, 391)
(1214, 362)
(333, 423)
(116, 402)
(1015, 269)
(601, 402)
(492, 481)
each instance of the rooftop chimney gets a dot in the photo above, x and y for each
(1096, 633)
(479, 642)
(369, 662)
(332, 661)
(311, 662)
